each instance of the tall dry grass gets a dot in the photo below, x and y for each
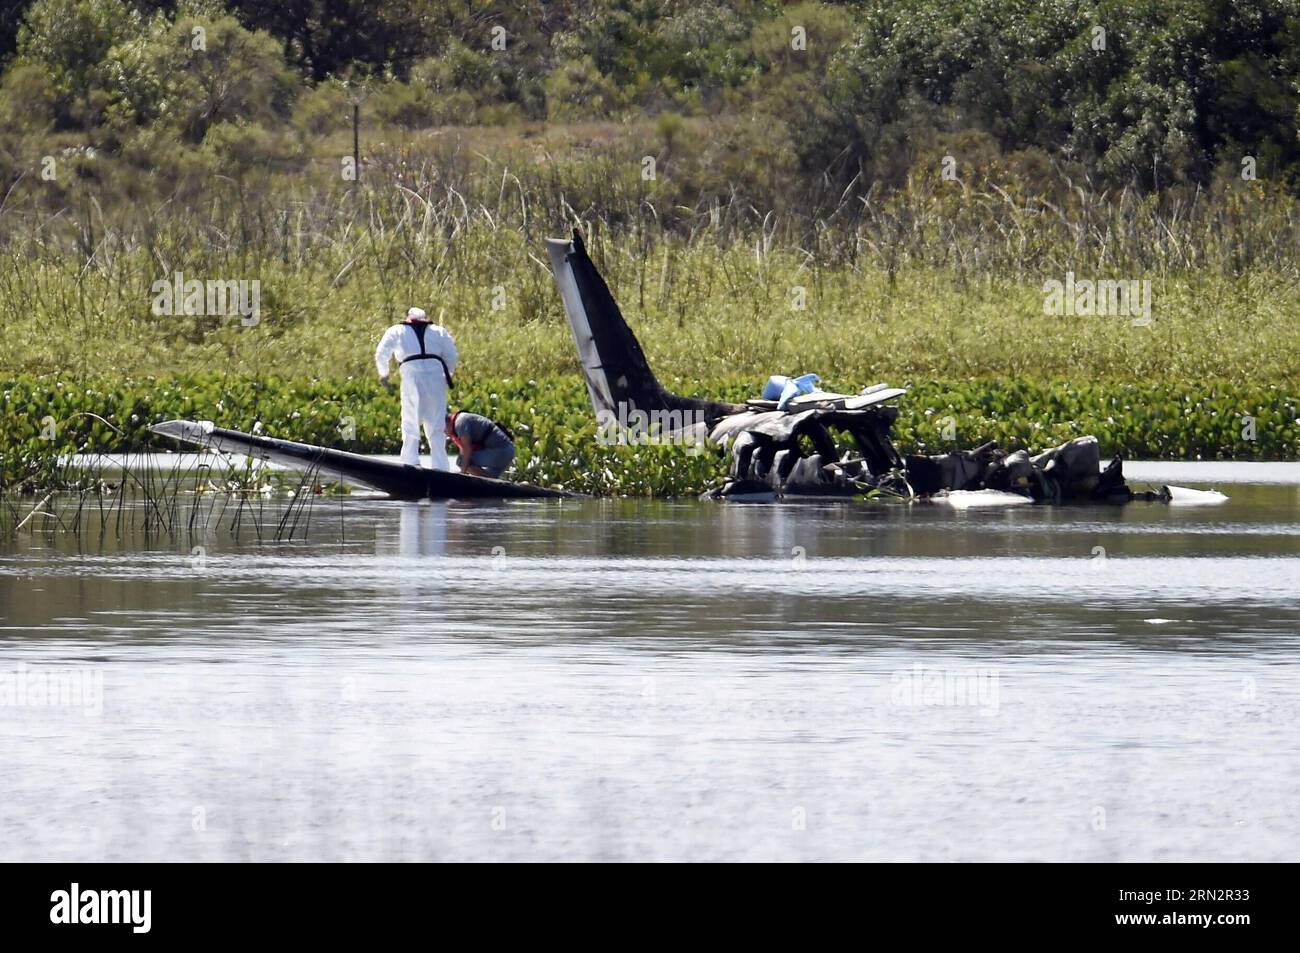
(938, 279)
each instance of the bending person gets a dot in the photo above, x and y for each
(426, 355)
(486, 448)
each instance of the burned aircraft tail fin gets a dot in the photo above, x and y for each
(613, 365)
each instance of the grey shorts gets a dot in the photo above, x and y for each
(494, 461)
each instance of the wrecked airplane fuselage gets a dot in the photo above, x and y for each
(816, 444)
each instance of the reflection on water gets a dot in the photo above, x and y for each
(623, 679)
(422, 530)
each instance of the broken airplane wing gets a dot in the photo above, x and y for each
(397, 480)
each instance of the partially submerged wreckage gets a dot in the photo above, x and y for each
(811, 444)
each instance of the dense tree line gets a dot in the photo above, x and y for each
(1131, 92)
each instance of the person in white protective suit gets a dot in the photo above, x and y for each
(426, 356)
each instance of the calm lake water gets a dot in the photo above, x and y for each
(636, 680)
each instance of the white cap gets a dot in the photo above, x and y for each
(416, 314)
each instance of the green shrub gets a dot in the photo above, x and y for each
(322, 110)
(576, 88)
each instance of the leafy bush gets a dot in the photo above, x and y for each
(70, 41)
(322, 110)
(576, 88)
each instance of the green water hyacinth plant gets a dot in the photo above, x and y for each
(47, 418)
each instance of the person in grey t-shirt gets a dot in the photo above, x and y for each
(485, 448)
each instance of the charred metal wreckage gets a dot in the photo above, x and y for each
(816, 444)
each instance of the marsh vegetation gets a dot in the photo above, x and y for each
(850, 208)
